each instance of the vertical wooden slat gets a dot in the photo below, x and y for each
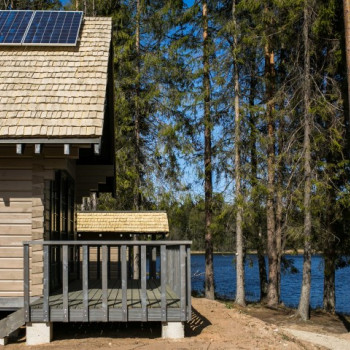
(183, 290)
(163, 282)
(77, 248)
(26, 288)
(109, 265)
(170, 269)
(189, 302)
(176, 271)
(124, 283)
(143, 283)
(105, 282)
(46, 296)
(65, 283)
(85, 283)
(118, 265)
(153, 265)
(98, 271)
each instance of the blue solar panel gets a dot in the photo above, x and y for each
(54, 28)
(13, 25)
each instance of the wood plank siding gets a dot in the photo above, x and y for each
(24, 205)
(15, 225)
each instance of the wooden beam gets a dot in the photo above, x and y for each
(37, 148)
(97, 148)
(19, 148)
(66, 149)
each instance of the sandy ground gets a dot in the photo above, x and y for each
(329, 331)
(213, 326)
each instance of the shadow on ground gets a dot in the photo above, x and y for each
(197, 324)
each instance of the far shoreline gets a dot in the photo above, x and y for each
(254, 252)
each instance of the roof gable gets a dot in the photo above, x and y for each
(56, 92)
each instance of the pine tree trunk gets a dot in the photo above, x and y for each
(329, 277)
(240, 293)
(304, 303)
(208, 186)
(279, 206)
(136, 253)
(254, 183)
(346, 6)
(272, 290)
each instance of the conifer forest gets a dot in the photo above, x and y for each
(233, 116)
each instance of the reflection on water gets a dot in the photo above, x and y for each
(225, 280)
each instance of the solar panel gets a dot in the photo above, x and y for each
(54, 28)
(13, 25)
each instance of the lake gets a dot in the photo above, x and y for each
(225, 280)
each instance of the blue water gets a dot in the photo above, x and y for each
(225, 280)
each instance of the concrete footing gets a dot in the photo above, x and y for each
(173, 330)
(4, 341)
(38, 333)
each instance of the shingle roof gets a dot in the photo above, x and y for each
(140, 222)
(56, 92)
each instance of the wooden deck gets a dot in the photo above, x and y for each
(134, 307)
(100, 293)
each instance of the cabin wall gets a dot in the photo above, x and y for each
(24, 203)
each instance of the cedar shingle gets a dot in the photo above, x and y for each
(138, 222)
(43, 87)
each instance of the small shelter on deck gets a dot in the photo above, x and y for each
(121, 225)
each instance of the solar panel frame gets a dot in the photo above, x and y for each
(20, 28)
(79, 15)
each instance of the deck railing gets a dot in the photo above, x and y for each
(105, 283)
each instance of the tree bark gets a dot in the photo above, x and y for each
(254, 183)
(346, 6)
(136, 253)
(329, 277)
(272, 290)
(208, 186)
(304, 303)
(240, 293)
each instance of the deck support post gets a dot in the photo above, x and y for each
(173, 330)
(38, 333)
(4, 341)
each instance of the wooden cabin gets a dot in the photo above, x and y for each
(56, 146)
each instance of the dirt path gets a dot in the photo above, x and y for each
(328, 341)
(213, 326)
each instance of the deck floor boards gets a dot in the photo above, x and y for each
(75, 295)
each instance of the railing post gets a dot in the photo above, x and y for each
(118, 264)
(124, 284)
(85, 283)
(98, 267)
(189, 305)
(46, 306)
(65, 283)
(105, 282)
(143, 283)
(26, 287)
(163, 282)
(183, 282)
(152, 263)
(77, 252)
